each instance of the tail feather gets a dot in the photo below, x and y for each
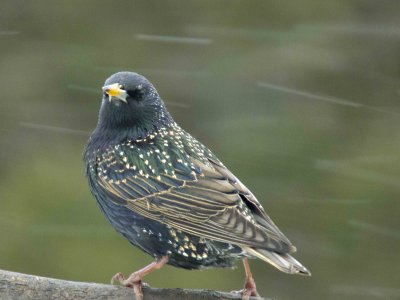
(283, 262)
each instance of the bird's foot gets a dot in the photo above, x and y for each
(249, 290)
(133, 280)
(246, 294)
(117, 278)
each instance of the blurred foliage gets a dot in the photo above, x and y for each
(299, 98)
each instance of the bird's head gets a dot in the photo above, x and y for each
(130, 102)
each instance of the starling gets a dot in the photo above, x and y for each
(171, 196)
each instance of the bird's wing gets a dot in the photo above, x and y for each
(251, 201)
(210, 202)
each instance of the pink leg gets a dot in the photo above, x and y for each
(135, 279)
(249, 284)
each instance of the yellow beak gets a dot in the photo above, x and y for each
(115, 91)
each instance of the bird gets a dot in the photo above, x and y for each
(169, 195)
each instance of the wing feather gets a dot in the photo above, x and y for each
(212, 203)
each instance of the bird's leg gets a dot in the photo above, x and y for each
(249, 284)
(135, 279)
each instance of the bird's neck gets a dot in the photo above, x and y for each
(106, 134)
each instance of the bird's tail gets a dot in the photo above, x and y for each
(283, 262)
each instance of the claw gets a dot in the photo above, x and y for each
(135, 279)
(132, 281)
(117, 278)
(246, 293)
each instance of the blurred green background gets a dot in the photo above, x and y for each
(299, 98)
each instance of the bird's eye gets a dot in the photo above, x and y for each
(136, 93)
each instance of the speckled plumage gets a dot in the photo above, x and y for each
(170, 195)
